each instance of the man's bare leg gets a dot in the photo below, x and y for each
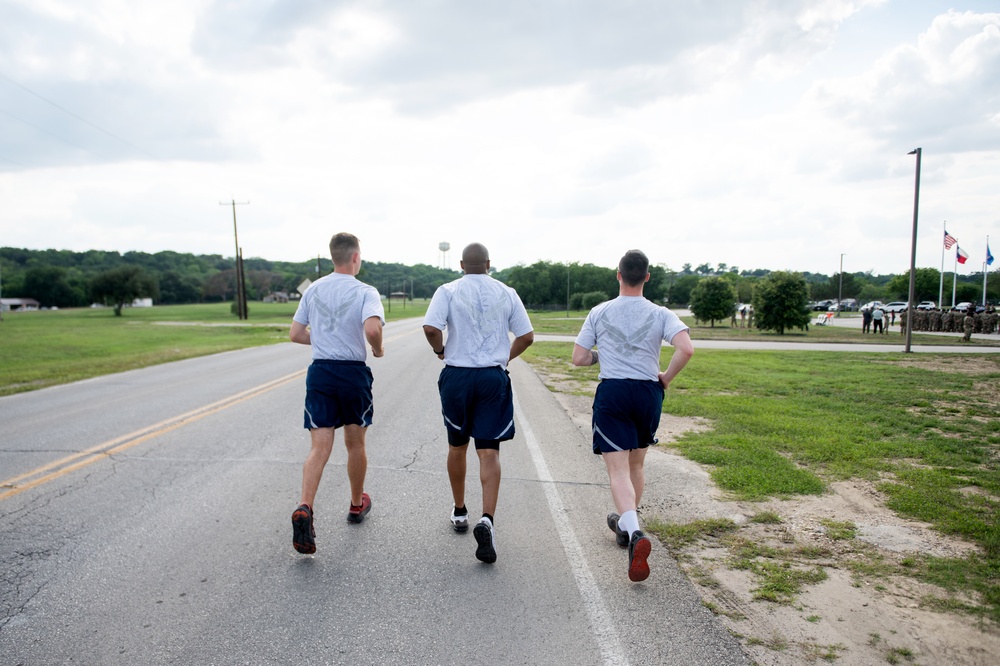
(357, 460)
(456, 473)
(637, 472)
(312, 470)
(489, 476)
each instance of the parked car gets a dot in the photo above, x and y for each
(848, 305)
(822, 306)
(895, 306)
(927, 305)
(963, 306)
(870, 305)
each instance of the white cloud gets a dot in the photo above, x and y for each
(751, 134)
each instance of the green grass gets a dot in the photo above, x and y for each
(51, 347)
(922, 427)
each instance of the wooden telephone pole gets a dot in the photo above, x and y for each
(241, 287)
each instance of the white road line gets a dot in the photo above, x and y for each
(612, 651)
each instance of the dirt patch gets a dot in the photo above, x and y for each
(848, 618)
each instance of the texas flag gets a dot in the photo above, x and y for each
(961, 255)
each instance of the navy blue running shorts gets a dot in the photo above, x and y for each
(477, 403)
(338, 393)
(626, 414)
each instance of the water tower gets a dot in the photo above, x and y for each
(444, 247)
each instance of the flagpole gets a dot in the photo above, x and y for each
(984, 270)
(954, 279)
(941, 285)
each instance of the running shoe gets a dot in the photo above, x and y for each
(638, 550)
(303, 532)
(621, 536)
(486, 537)
(460, 523)
(358, 513)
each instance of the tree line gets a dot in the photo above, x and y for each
(62, 278)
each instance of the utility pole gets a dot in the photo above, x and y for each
(913, 252)
(840, 290)
(241, 289)
(1, 290)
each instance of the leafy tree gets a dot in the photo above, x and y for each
(176, 288)
(123, 285)
(680, 293)
(704, 269)
(592, 298)
(714, 298)
(780, 301)
(50, 287)
(927, 282)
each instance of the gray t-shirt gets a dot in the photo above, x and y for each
(335, 308)
(628, 332)
(478, 312)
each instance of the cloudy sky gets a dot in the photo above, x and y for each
(755, 133)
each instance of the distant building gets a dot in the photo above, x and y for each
(276, 297)
(18, 304)
(142, 303)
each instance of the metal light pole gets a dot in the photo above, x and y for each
(840, 289)
(913, 251)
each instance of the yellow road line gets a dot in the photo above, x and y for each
(36, 477)
(63, 466)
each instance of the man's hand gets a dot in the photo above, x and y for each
(378, 353)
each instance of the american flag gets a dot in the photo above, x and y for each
(949, 240)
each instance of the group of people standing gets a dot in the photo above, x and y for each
(341, 317)
(967, 321)
(876, 320)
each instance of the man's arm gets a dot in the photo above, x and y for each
(584, 356)
(373, 332)
(300, 334)
(519, 344)
(683, 351)
(435, 337)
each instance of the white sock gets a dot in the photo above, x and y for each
(629, 522)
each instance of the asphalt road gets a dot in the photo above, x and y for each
(146, 520)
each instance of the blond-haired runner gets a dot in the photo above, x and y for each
(337, 315)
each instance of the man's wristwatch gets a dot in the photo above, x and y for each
(437, 352)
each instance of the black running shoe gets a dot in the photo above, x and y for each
(303, 532)
(486, 537)
(638, 550)
(459, 522)
(358, 513)
(621, 536)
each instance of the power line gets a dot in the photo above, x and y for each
(42, 129)
(80, 118)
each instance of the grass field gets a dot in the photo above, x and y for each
(922, 428)
(50, 347)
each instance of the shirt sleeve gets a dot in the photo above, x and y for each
(519, 322)
(672, 325)
(437, 311)
(301, 315)
(373, 306)
(587, 337)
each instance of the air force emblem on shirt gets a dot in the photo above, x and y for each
(627, 344)
(332, 316)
